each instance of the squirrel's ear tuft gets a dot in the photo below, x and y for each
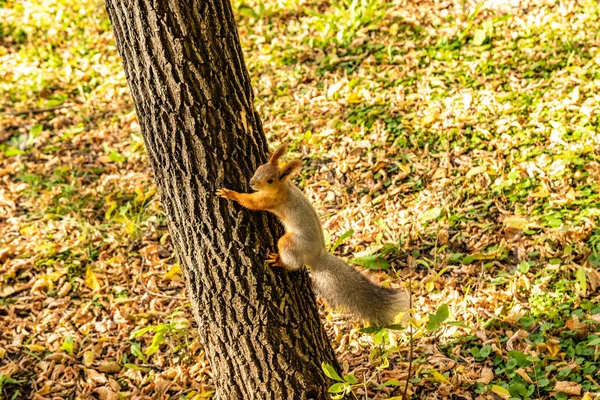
(290, 169)
(278, 153)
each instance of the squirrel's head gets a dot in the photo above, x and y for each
(269, 177)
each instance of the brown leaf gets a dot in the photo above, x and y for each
(565, 387)
(593, 278)
(520, 334)
(95, 376)
(111, 367)
(6, 291)
(573, 324)
(487, 375)
(106, 393)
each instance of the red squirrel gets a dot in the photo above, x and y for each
(304, 244)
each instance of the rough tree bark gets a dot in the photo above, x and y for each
(187, 76)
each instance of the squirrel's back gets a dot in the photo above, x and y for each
(299, 217)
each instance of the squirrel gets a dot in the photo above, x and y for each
(304, 245)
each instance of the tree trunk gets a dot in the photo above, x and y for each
(260, 327)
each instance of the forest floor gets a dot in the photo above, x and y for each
(456, 144)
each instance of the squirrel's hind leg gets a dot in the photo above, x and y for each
(289, 252)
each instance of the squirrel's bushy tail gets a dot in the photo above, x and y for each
(343, 286)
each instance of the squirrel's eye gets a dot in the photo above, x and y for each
(270, 181)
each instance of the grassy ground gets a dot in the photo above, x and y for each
(455, 143)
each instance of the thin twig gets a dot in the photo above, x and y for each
(410, 332)
(37, 110)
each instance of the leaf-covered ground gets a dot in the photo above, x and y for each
(458, 142)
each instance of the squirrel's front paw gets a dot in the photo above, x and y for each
(226, 193)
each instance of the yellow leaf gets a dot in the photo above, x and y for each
(586, 396)
(500, 392)
(130, 226)
(88, 358)
(487, 256)
(476, 171)
(44, 281)
(56, 275)
(553, 347)
(429, 286)
(440, 173)
(35, 347)
(141, 197)
(415, 323)
(27, 230)
(428, 119)
(541, 192)
(112, 206)
(90, 280)
(439, 377)
(353, 98)
(174, 273)
(2, 353)
(516, 222)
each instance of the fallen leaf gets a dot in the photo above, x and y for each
(439, 173)
(516, 222)
(106, 393)
(431, 214)
(573, 324)
(500, 392)
(487, 375)
(174, 273)
(35, 347)
(46, 389)
(428, 120)
(550, 347)
(565, 387)
(91, 280)
(476, 171)
(111, 367)
(523, 374)
(6, 290)
(593, 278)
(88, 358)
(520, 334)
(95, 376)
(439, 377)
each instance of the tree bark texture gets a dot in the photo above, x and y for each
(185, 68)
